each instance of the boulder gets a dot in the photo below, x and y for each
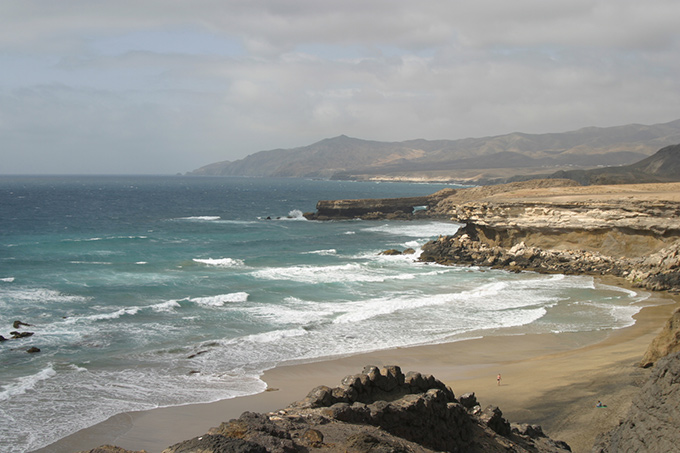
(16, 334)
(391, 252)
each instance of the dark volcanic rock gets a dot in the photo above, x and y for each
(112, 449)
(16, 334)
(651, 424)
(211, 443)
(378, 410)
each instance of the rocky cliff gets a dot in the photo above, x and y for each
(666, 342)
(653, 421)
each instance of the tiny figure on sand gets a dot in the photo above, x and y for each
(498, 379)
(599, 404)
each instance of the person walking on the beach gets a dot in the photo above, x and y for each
(498, 379)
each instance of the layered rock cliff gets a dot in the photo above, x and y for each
(392, 208)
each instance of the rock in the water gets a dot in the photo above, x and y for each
(17, 324)
(16, 335)
(33, 350)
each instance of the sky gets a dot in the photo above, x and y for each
(167, 86)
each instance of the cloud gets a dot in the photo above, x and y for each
(167, 86)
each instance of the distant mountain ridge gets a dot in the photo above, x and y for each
(469, 159)
(663, 166)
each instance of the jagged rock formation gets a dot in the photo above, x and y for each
(378, 410)
(651, 424)
(666, 342)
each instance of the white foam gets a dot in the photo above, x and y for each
(367, 309)
(322, 252)
(113, 315)
(294, 311)
(201, 218)
(220, 262)
(40, 295)
(166, 306)
(221, 299)
(274, 336)
(296, 214)
(142, 262)
(416, 229)
(26, 383)
(7, 279)
(351, 272)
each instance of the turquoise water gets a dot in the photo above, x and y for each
(146, 292)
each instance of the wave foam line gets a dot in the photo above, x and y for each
(113, 315)
(220, 262)
(350, 272)
(221, 299)
(26, 383)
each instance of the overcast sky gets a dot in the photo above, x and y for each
(166, 86)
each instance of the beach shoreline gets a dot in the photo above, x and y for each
(549, 379)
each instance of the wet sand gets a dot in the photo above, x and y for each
(553, 380)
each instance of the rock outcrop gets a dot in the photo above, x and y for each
(473, 245)
(666, 342)
(651, 424)
(378, 410)
(368, 209)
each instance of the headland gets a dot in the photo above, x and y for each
(553, 380)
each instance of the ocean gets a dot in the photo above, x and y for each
(145, 292)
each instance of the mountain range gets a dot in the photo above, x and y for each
(472, 160)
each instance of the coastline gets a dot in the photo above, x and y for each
(550, 379)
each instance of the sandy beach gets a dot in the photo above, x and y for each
(554, 380)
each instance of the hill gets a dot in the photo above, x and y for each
(663, 166)
(470, 159)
